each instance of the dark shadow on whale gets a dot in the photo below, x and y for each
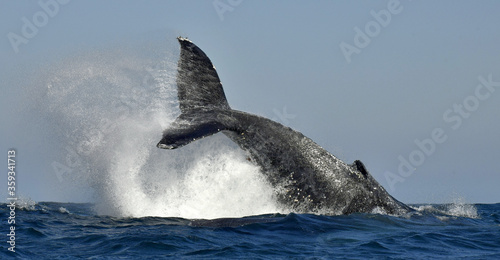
(306, 178)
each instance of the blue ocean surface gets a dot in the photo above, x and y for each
(48, 230)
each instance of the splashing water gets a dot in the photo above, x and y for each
(459, 208)
(107, 109)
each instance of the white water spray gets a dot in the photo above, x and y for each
(109, 108)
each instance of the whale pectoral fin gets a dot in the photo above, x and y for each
(179, 135)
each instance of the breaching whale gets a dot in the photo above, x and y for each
(306, 178)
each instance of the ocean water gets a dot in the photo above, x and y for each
(48, 230)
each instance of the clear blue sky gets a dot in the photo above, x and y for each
(406, 79)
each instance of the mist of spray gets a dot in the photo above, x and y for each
(107, 109)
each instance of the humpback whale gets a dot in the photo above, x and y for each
(306, 178)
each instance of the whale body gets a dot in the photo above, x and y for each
(306, 178)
